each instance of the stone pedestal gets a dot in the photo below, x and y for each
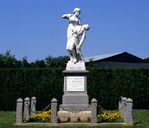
(75, 96)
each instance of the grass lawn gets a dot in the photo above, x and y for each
(141, 120)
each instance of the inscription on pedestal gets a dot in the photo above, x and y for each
(75, 83)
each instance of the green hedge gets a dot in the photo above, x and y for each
(42, 83)
(106, 85)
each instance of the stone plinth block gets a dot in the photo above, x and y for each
(83, 116)
(78, 66)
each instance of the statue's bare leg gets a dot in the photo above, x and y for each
(74, 56)
(71, 55)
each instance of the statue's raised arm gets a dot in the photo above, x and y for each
(66, 16)
(73, 18)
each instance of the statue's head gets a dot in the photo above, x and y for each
(77, 11)
(86, 27)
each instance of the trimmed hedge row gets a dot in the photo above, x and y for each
(42, 83)
(106, 85)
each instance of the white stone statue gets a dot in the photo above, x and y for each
(76, 34)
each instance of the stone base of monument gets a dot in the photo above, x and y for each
(78, 66)
(75, 101)
(75, 96)
(83, 116)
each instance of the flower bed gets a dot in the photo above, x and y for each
(44, 116)
(103, 116)
(108, 116)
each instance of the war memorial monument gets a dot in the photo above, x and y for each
(75, 76)
(75, 105)
(75, 96)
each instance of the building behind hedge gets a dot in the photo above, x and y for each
(118, 60)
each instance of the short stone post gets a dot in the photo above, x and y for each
(54, 110)
(93, 110)
(33, 105)
(19, 111)
(26, 109)
(129, 114)
(120, 103)
(123, 107)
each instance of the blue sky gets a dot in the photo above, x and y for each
(34, 28)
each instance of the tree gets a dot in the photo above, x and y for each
(38, 64)
(8, 60)
(25, 63)
(57, 61)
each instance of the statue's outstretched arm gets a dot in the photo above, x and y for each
(83, 36)
(66, 16)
